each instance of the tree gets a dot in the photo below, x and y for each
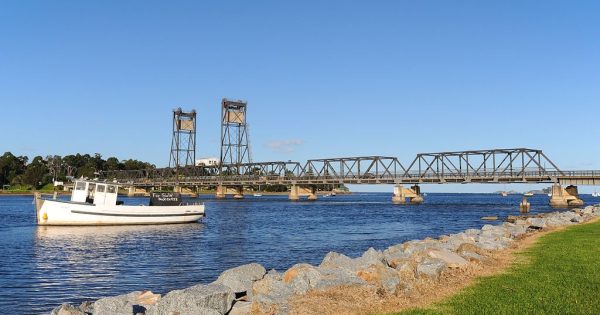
(35, 172)
(11, 167)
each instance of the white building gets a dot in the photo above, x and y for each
(210, 161)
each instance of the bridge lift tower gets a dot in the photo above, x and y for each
(183, 144)
(235, 147)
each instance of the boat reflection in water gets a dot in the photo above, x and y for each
(85, 263)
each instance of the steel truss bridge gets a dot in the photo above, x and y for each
(519, 165)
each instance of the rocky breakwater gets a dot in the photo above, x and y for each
(399, 270)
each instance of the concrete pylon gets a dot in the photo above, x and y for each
(239, 193)
(220, 194)
(398, 197)
(131, 191)
(524, 206)
(565, 197)
(413, 194)
(293, 196)
(313, 194)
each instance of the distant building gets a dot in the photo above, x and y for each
(210, 161)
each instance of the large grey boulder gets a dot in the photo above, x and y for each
(302, 277)
(271, 294)
(380, 275)
(333, 277)
(199, 299)
(577, 219)
(514, 230)
(336, 260)
(240, 279)
(419, 246)
(125, 304)
(451, 259)
(453, 241)
(241, 308)
(430, 268)
(67, 309)
(537, 223)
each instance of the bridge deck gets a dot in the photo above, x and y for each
(482, 166)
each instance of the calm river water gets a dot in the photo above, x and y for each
(41, 267)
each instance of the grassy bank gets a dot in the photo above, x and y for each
(560, 274)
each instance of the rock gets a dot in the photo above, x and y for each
(332, 277)
(240, 279)
(430, 268)
(472, 231)
(371, 256)
(198, 299)
(67, 309)
(490, 218)
(451, 259)
(270, 295)
(275, 274)
(380, 275)
(472, 256)
(489, 243)
(126, 304)
(455, 240)
(301, 277)
(334, 260)
(87, 307)
(537, 223)
(241, 308)
(514, 230)
(588, 210)
(416, 246)
(577, 219)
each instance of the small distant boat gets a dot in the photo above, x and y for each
(504, 194)
(95, 203)
(528, 194)
(257, 195)
(595, 194)
(549, 194)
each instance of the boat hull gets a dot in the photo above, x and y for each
(53, 212)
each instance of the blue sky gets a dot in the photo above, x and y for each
(322, 78)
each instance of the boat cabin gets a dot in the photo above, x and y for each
(97, 193)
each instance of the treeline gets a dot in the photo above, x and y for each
(18, 171)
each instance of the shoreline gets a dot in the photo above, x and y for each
(413, 273)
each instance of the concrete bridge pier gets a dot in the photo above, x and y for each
(220, 194)
(313, 193)
(293, 195)
(401, 194)
(239, 192)
(524, 206)
(565, 197)
(131, 191)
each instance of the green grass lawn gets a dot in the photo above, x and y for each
(560, 275)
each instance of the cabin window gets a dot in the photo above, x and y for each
(100, 188)
(80, 186)
(111, 189)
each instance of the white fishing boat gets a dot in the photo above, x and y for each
(95, 203)
(257, 195)
(595, 194)
(528, 194)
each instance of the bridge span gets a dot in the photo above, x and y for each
(519, 165)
